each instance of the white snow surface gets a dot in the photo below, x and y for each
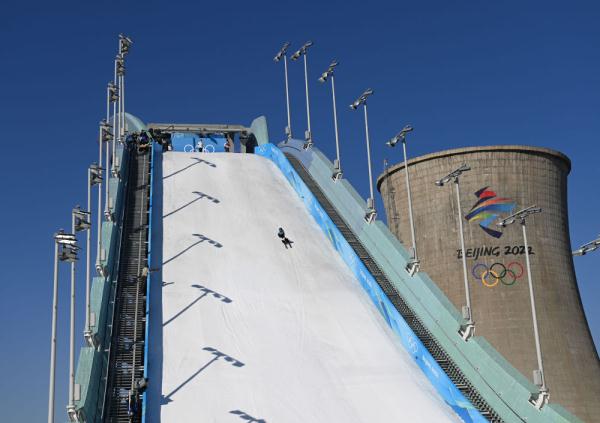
(313, 347)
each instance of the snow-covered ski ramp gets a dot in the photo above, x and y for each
(243, 329)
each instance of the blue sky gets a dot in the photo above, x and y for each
(462, 73)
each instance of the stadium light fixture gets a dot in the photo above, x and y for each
(588, 247)
(302, 50)
(413, 266)
(124, 44)
(329, 71)
(370, 213)
(95, 174)
(452, 176)
(120, 64)
(466, 330)
(282, 53)
(538, 375)
(82, 222)
(328, 74)
(400, 136)
(362, 99)
(113, 92)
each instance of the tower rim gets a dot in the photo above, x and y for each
(527, 149)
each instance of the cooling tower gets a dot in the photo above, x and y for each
(502, 180)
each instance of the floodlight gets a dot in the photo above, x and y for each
(64, 238)
(124, 44)
(105, 127)
(81, 217)
(113, 92)
(95, 174)
(400, 136)
(362, 99)
(68, 253)
(120, 62)
(302, 50)
(281, 52)
(521, 215)
(329, 71)
(452, 176)
(588, 247)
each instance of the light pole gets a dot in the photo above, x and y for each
(370, 213)
(109, 137)
(466, 331)
(119, 73)
(303, 52)
(124, 45)
(94, 178)
(112, 96)
(104, 137)
(588, 248)
(68, 245)
(337, 172)
(71, 405)
(283, 53)
(538, 375)
(413, 266)
(78, 223)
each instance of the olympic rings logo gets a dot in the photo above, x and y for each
(189, 148)
(497, 272)
(412, 344)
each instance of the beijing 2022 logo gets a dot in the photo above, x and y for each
(487, 209)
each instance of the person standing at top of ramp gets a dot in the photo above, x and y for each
(286, 241)
(143, 141)
(229, 145)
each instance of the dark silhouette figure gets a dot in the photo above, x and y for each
(143, 141)
(286, 241)
(133, 405)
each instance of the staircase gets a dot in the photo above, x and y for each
(438, 353)
(126, 356)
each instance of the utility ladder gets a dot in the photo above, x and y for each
(126, 356)
(438, 353)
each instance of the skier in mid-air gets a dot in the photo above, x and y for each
(284, 239)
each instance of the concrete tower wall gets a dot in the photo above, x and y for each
(511, 178)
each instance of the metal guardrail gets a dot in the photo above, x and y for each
(199, 128)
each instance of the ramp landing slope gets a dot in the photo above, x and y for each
(243, 327)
